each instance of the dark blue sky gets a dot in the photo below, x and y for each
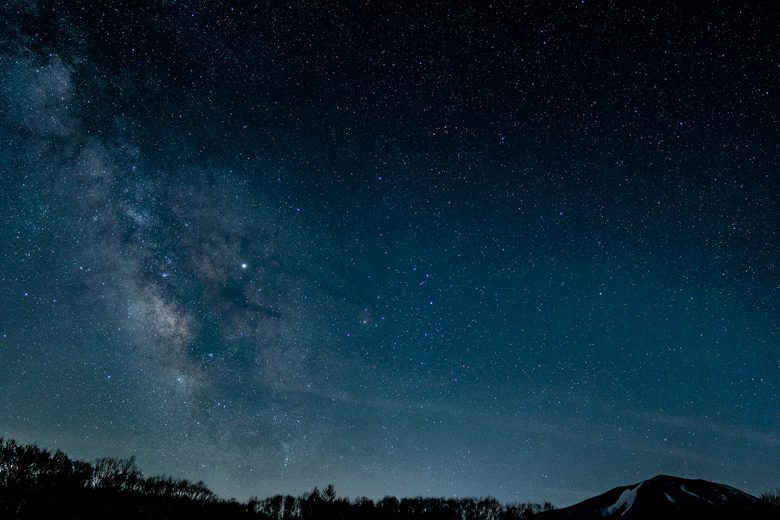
(527, 252)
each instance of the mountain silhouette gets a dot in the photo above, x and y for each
(670, 498)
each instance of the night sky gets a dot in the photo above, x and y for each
(526, 251)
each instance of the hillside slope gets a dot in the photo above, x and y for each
(670, 498)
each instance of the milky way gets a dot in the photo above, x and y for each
(527, 254)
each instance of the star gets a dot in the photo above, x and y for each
(511, 290)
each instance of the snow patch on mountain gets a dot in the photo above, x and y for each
(697, 496)
(740, 493)
(626, 498)
(669, 498)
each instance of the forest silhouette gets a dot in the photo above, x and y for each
(37, 483)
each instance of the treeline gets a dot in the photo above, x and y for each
(773, 497)
(36, 483)
(324, 504)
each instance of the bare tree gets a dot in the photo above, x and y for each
(773, 497)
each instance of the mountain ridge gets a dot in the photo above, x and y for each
(670, 498)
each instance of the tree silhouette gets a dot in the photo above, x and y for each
(35, 483)
(773, 497)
